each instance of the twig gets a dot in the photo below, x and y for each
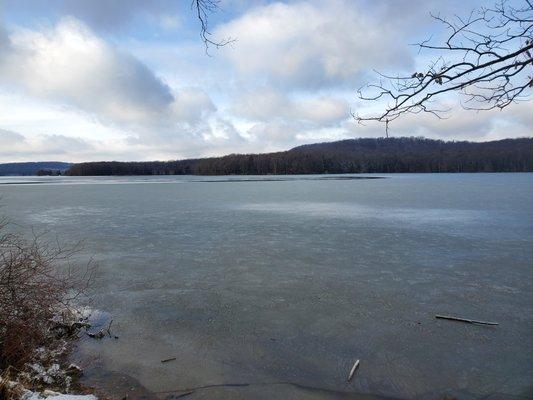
(100, 334)
(179, 396)
(96, 335)
(109, 328)
(468, 321)
(168, 359)
(352, 371)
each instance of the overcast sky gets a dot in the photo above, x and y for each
(84, 80)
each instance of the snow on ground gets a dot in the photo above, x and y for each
(50, 395)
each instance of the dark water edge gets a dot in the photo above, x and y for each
(113, 385)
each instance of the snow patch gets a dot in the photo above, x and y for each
(51, 395)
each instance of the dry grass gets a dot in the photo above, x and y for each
(8, 388)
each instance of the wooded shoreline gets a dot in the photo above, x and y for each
(382, 155)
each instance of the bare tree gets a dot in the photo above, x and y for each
(486, 59)
(203, 9)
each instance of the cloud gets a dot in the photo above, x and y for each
(60, 144)
(460, 124)
(284, 134)
(274, 132)
(266, 103)
(15, 146)
(4, 40)
(192, 105)
(210, 136)
(72, 65)
(9, 139)
(69, 64)
(312, 44)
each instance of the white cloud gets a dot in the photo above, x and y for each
(312, 44)
(9, 138)
(274, 132)
(192, 105)
(4, 40)
(14, 146)
(11, 145)
(72, 65)
(60, 144)
(460, 124)
(266, 103)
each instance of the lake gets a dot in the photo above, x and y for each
(274, 286)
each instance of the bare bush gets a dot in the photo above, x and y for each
(38, 288)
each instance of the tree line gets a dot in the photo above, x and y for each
(381, 155)
(34, 168)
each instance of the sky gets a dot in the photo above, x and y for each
(87, 80)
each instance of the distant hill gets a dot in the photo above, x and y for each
(347, 156)
(32, 168)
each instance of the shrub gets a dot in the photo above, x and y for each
(38, 284)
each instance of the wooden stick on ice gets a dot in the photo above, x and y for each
(468, 321)
(352, 371)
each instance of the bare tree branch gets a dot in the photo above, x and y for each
(487, 58)
(203, 9)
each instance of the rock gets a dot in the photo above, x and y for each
(74, 370)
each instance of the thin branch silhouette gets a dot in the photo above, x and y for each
(486, 58)
(203, 9)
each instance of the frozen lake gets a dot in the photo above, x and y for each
(278, 284)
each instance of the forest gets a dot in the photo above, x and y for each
(371, 155)
(34, 168)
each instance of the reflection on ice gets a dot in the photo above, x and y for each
(356, 211)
